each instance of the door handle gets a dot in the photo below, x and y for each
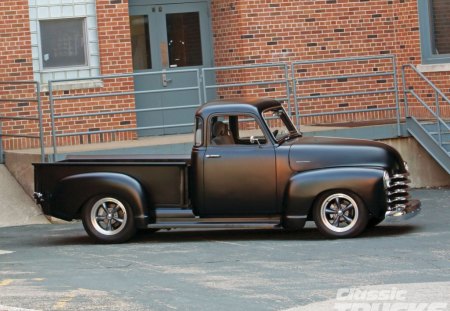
(165, 81)
(213, 156)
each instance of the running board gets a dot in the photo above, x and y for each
(167, 218)
(215, 225)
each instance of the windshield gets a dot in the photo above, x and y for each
(279, 124)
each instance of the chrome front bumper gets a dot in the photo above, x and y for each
(411, 210)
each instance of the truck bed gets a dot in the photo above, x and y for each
(166, 176)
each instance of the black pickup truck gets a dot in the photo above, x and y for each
(249, 168)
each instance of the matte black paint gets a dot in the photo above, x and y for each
(71, 191)
(275, 179)
(305, 187)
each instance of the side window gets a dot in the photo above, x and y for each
(236, 130)
(249, 127)
(220, 131)
(198, 132)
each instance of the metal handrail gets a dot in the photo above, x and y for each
(437, 95)
(287, 78)
(38, 118)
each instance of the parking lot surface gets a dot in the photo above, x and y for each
(57, 267)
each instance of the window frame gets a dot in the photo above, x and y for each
(86, 45)
(427, 36)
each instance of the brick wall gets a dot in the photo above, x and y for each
(115, 58)
(15, 64)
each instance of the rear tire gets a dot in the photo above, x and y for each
(108, 219)
(340, 214)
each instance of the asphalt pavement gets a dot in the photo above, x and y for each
(57, 267)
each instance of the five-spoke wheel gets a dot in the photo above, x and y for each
(108, 220)
(340, 214)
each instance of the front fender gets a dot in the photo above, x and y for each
(74, 191)
(303, 188)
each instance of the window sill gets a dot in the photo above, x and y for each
(73, 85)
(433, 67)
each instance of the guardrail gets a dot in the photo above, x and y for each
(297, 81)
(38, 118)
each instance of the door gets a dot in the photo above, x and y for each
(239, 173)
(171, 38)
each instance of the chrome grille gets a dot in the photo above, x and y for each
(397, 192)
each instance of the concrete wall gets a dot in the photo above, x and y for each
(425, 171)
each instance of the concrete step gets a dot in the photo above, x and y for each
(16, 207)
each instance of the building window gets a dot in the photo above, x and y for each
(434, 18)
(63, 43)
(64, 40)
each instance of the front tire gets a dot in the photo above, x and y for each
(108, 219)
(374, 221)
(340, 214)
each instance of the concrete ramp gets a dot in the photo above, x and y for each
(16, 207)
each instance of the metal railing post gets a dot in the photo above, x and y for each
(205, 96)
(288, 88)
(52, 119)
(199, 85)
(41, 126)
(405, 91)
(2, 159)
(294, 87)
(397, 104)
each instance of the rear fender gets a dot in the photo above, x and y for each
(303, 188)
(74, 191)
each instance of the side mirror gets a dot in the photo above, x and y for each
(253, 140)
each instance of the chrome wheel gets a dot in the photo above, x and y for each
(108, 216)
(339, 212)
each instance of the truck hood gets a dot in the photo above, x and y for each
(309, 153)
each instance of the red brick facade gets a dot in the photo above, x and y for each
(244, 33)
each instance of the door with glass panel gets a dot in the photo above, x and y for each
(168, 40)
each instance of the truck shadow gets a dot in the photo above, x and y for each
(76, 235)
(306, 234)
